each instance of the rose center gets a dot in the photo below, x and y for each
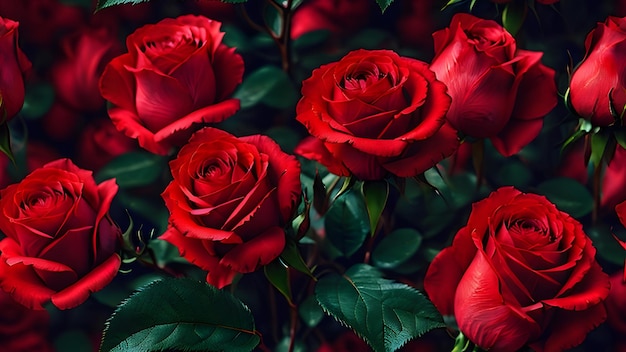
(532, 226)
(41, 199)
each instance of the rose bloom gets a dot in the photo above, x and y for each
(229, 202)
(520, 272)
(61, 243)
(75, 76)
(337, 16)
(375, 113)
(23, 329)
(176, 75)
(13, 66)
(498, 91)
(598, 84)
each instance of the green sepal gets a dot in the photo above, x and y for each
(375, 194)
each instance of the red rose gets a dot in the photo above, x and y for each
(13, 66)
(61, 242)
(229, 201)
(498, 92)
(337, 16)
(598, 84)
(176, 75)
(22, 329)
(100, 143)
(375, 113)
(520, 272)
(75, 76)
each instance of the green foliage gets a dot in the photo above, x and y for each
(375, 193)
(277, 274)
(108, 3)
(513, 16)
(346, 223)
(180, 314)
(396, 248)
(384, 313)
(5, 139)
(384, 4)
(37, 101)
(310, 311)
(607, 246)
(292, 257)
(568, 195)
(268, 85)
(133, 169)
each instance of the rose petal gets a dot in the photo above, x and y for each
(95, 280)
(260, 250)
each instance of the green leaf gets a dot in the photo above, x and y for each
(38, 100)
(278, 275)
(73, 341)
(346, 223)
(5, 141)
(452, 2)
(310, 39)
(620, 137)
(108, 3)
(606, 245)
(599, 142)
(268, 85)
(513, 16)
(180, 314)
(396, 248)
(384, 313)
(568, 195)
(513, 173)
(292, 257)
(133, 169)
(375, 193)
(384, 4)
(310, 311)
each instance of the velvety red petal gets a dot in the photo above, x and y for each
(220, 276)
(569, 328)
(117, 84)
(260, 250)
(484, 316)
(210, 114)
(20, 280)
(128, 122)
(160, 99)
(314, 149)
(593, 289)
(536, 94)
(190, 249)
(229, 68)
(422, 155)
(362, 165)
(184, 221)
(447, 269)
(95, 280)
(516, 135)
(284, 173)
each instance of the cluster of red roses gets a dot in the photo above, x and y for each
(520, 269)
